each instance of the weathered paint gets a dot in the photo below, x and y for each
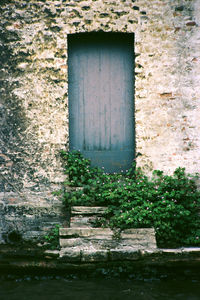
(101, 100)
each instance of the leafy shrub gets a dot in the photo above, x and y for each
(167, 203)
(78, 169)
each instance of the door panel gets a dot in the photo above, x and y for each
(101, 93)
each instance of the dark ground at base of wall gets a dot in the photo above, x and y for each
(37, 261)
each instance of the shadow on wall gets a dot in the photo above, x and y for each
(13, 121)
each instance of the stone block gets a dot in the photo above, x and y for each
(140, 243)
(134, 243)
(67, 243)
(102, 238)
(87, 243)
(140, 237)
(52, 253)
(97, 233)
(124, 254)
(82, 221)
(71, 255)
(84, 243)
(137, 231)
(94, 255)
(87, 210)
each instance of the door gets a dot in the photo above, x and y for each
(101, 98)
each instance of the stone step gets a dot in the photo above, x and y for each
(86, 216)
(138, 233)
(85, 238)
(88, 243)
(83, 221)
(84, 232)
(105, 238)
(87, 210)
(101, 255)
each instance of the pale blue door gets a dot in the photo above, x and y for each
(101, 98)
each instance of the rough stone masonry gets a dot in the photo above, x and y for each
(34, 94)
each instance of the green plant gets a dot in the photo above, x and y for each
(169, 203)
(78, 169)
(176, 204)
(52, 238)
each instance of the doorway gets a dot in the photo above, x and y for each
(101, 98)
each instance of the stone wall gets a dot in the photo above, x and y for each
(30, 220)
(33, 85)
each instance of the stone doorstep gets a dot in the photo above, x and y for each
(141, 234)
(84, 222)
(98, 255)
(138, 237)
(138, 234)
(102, 255)
(94, 255)
(98, 242)
(138, 231)
(104, 238)
(126, 234)
(87, 210)
(85, 237)
(76, 254)
(86, 232)
(101, 243)
(137, 241)
(85, 255)
(69, 242)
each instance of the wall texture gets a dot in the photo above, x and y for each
(33, 86)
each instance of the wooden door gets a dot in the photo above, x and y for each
(101, 98)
